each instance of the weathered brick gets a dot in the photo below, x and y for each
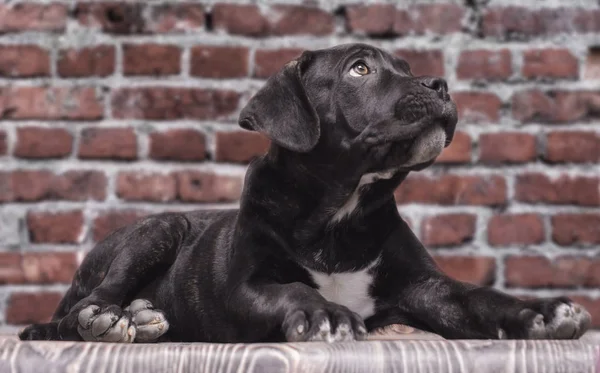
(112, 17)
(55, 227)
(429, 18)
(279, 20)
(17, 61)
(197, 186)
(573, 146)
(240, 146)
(592, 64)
(143, 186)
(448, 229)
(485, 64)
(89, 61)
(178, 144)
(16, 17)
(375, 19)
(173, 103)
(507, 147)
(108, 222)
(423, 62)
(562, 272)
(40, 185)
(555, 106)
(269, 61)
(576, 229)
(176, 18)
(50, 103)
(108, 143)
(29, 308)
(459, 150)
(453, 190)
(39, 142)
(515, 229)
(475, 270)
(3, 143)
(151, 59)
(37, 268)
(549, 63)
(219, 62)
(477, 107)
(576, 190)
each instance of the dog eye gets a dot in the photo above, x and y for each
(359, 69)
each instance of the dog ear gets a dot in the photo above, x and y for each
(282, 110)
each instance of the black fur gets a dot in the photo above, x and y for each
(241, 275)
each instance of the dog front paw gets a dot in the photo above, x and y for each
(329, 323)
(551, 318)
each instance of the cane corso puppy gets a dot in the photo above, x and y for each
(317, 250)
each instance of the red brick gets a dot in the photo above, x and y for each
(592, 64)
(515, 229)
(549, 63)
(108, 143)
(176, 18)
(477, 107)
(459, 150)
(299, 19)
(507, 147)
(3, 143)
(37, 268)
(453, 190)
(573, 146)
(240, 146)
(112, 17)
(141, 186)
(239, 19)
(429, 18)
(474, 270)
(50, 103)
(108, 222)
(18, 61)
(219, 62)
(268, 62)
(520, 22)
(556, 106)
(39, 142)
(562, 272)
(29, 308)
(6, 190)
(178, 144)
(32, 17)
(279, 20)
(90, 61)
(591, 305)
(423, 62)
(448, 229)
(197, 186)
(484, 64)
(376, 19)
(569, 190)
(173, 103)
(576, 229)
(151, 59)
(57, 227)
(40, 185)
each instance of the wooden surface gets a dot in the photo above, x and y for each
(413, 352)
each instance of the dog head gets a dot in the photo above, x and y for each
(357, 99)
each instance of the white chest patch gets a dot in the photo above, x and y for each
(352, 202)
(350, 289)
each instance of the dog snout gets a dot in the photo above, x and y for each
(436, 84)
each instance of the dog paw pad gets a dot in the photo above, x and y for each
(149, 322)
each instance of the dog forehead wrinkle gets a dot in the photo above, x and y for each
(352, 203)
(350, 289)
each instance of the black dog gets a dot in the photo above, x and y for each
(317, 249)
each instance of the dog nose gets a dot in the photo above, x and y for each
(437, 84)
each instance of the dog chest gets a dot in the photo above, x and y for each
(350, 289)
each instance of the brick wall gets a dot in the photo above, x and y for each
(111, 111)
